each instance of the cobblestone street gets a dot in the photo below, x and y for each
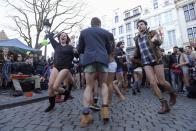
(137, 113)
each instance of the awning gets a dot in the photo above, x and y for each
(16, 46)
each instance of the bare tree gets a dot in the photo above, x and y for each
(31, 14)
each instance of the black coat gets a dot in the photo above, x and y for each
(95, 45)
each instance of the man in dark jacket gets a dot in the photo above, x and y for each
(95, 46)
(24, 68)
(176, 80)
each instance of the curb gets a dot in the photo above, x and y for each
(22, 102)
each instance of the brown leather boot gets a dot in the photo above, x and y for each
(105, 113)
(164, 107)
(172, 100)
(85, 120)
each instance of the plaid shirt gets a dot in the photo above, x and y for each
(146, 53)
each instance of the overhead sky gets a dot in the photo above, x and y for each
(94, 8)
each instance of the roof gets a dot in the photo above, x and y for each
(16, 45)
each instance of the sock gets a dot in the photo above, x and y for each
(95, 100)
(86, 110)
(104, 105)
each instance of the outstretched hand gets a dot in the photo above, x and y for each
(154, 38)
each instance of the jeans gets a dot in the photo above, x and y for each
(17, 86)
(167, 75)
(176, 81)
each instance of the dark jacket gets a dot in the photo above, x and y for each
(94, 44)
(166, 61)
(173, 60)
(154, 46)
(120, 61)
(63, 55)
(23, 68)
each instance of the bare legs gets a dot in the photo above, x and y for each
(112, 86)
(55, 80)
(155, 75)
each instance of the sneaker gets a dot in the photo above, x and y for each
(85, 120)
(18, 93)
(95, 107)
(133, 92)
(68, 97)
(138, 90)
(37, 90)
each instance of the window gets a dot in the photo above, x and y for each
(129, 40)
(120, 29)
(172, 37)
(194, 32)
(135, 11)
(166, 2)
(155, 4)
(168, 16)
(121, 39)
(135, 24)
(128, 27)
(127, 14)
(146, 11)
(189, 12)
(191, 33)
(114, 31)
(116, 19)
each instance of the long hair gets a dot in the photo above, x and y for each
(119, 44)
(68, 39)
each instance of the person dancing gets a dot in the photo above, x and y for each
(148, 51)
(94, 44)
(112, 66)
(63, 57)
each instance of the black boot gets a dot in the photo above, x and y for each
(52, 104)
(68, 93)
(133, 92)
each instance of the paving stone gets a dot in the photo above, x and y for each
(18, 129)
(30, 127)
(138, 113)
(54, 129)
(6, 128)
(68, 128)
(40, 128)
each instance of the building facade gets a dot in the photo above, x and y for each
(186, 10)
(161, 15)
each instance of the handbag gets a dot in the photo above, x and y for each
(178, 71)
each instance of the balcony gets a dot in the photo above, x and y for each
(127, 18)
(132, 13)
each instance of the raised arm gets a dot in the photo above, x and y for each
(53, 42)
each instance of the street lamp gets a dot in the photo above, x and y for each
(47, 27)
